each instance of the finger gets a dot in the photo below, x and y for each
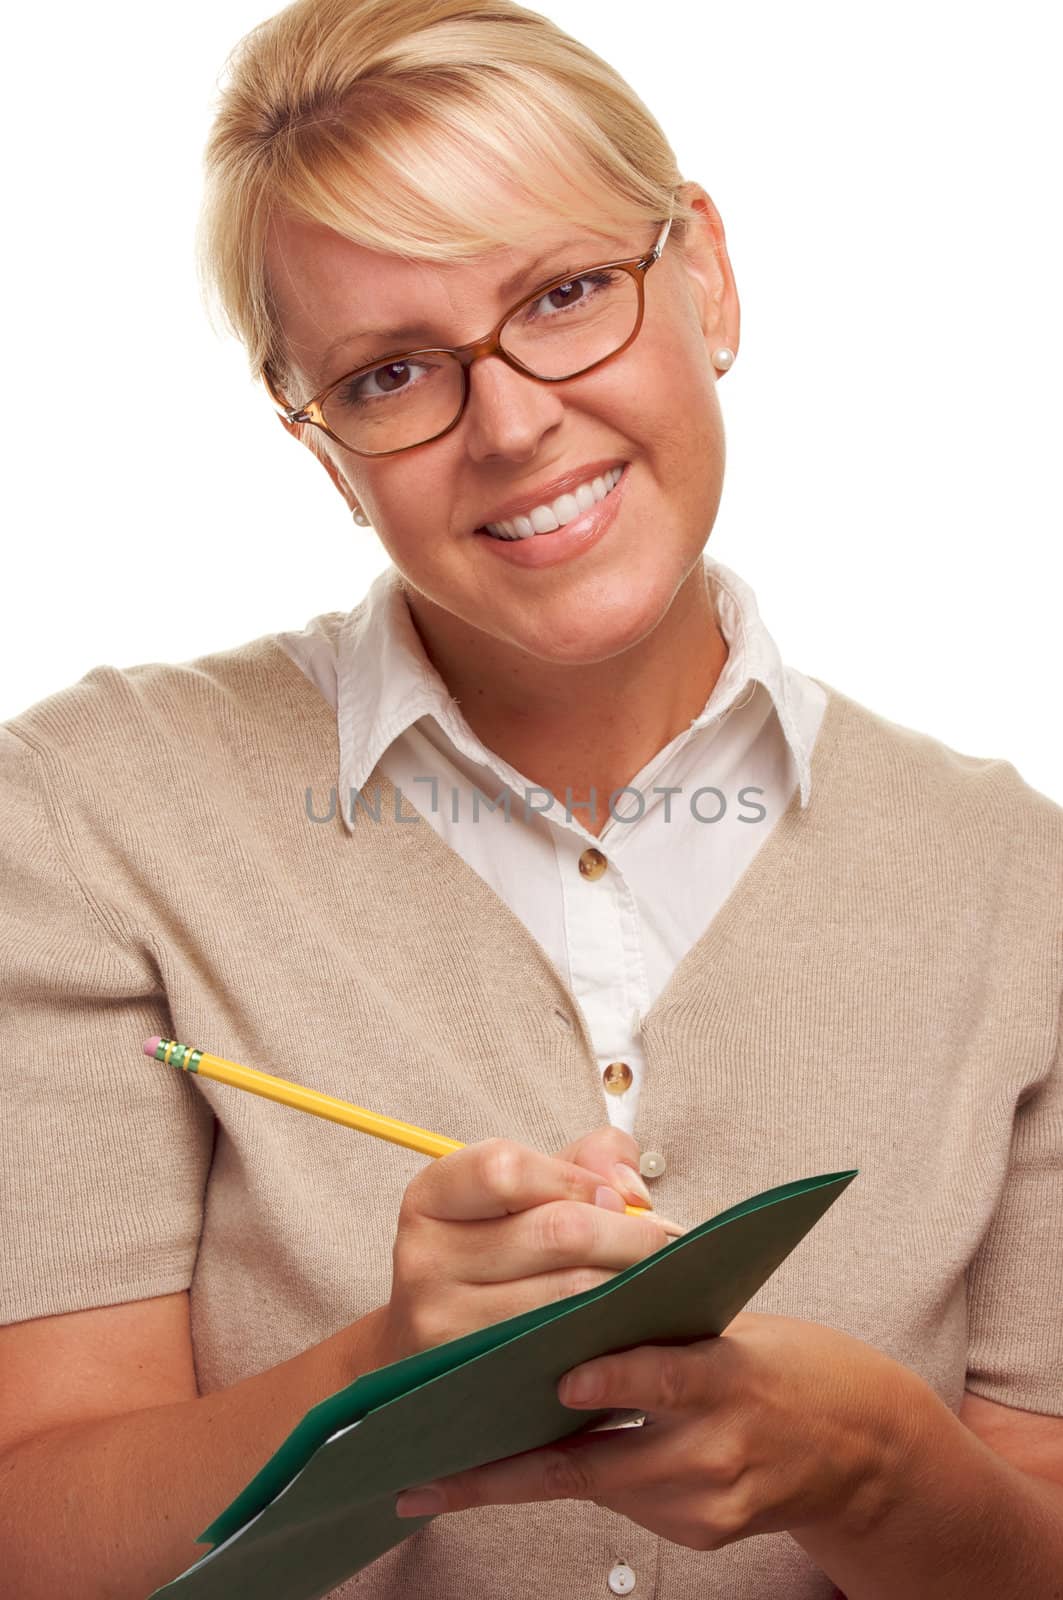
(563, 1240)
(589, 1466)
(602, 1147)
(496, 1178)
(651, 1378)
(604, 1151)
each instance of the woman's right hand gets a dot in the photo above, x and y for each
(495, 1229)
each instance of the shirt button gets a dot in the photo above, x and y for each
(652, 1164)
(621, 1580)
(592, 864)
(617, 1077)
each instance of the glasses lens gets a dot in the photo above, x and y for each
(397, 404)
(574, 325)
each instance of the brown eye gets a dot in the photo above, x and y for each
(590, 291)
(393, 377)
(567, 294)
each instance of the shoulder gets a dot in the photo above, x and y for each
(913, 768)
(157, 710)
(938, 814)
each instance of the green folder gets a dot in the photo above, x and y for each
(322, 1507)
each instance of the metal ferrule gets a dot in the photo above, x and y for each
(177, 1055)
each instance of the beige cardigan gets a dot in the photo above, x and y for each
(881, 990)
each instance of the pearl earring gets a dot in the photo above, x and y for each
(722, 359)
(359, 516)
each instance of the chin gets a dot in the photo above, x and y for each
(585, 634)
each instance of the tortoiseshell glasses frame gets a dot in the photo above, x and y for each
(490, 345)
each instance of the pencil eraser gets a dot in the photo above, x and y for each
(152, 1044)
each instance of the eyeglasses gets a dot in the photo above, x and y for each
(560, 331)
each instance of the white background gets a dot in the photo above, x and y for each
(888, 178)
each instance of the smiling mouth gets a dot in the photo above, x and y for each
(548, 518)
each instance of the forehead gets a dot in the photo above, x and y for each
(325, 286)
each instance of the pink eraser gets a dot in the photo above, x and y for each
(152, 1044)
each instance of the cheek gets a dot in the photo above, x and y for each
(682, 433)
(674, 393)
(397, 496)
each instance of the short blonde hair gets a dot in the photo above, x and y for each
(430, 129)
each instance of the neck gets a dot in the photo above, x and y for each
(582, 732)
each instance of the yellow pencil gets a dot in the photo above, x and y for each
(319, 1105)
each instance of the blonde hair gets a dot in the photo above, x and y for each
(430, 129)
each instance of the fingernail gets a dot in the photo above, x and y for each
(632, 1184)
(669, 1226)
(418, 1503)
(608, 1199)
(577, 1388)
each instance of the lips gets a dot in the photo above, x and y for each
(560, 512)
(544, 493)
(571, 542)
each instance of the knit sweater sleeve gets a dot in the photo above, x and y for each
(103, 1155)
(1015, 1283)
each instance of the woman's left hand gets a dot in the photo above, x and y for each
(776, 1424)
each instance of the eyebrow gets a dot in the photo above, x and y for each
(410, 335)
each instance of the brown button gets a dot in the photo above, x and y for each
(592, 864)
(617, 1077)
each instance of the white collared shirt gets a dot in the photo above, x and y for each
(614, 934)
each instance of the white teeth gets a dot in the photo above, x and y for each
(545, 519)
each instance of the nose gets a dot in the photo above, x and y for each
(508, 414)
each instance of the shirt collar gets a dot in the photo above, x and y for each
(385, 682)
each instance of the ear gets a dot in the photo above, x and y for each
(708, 267)
(316, 444)
(309, 436)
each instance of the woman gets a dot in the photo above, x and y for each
(460, 255)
